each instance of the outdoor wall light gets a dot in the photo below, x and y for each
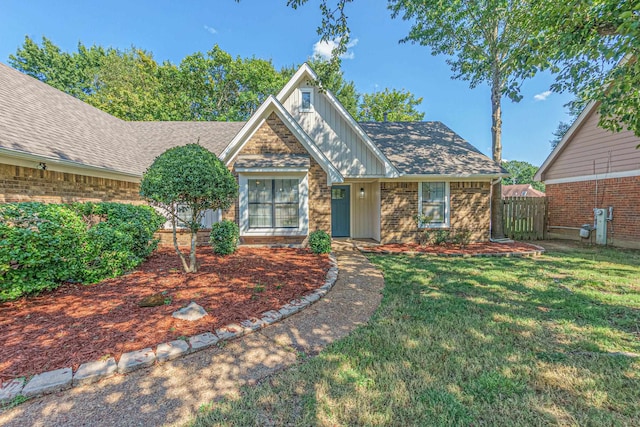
(362, 192)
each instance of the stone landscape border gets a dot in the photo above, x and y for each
(536, 251)
(90, 372)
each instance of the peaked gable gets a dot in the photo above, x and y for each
(332, 128)
(273, 111)
(586, 150)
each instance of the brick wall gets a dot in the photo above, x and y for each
(399, 203)
(571, 205)
(22, 184)
(273, 137)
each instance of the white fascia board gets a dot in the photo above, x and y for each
(305, 71)
(271, 170)
(269, 105)
(622, 174)
(103, 172)
(564, 141)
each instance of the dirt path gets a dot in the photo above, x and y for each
(172, 392)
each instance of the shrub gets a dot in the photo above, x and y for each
(440, 237)
(120, 240)
(320, 242)
(42, 245)
(462, 237)
(224, 237)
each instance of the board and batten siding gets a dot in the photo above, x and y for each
(610, 152)
(365, 216)
(334, 135)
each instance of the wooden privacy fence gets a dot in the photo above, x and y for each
(525, 218)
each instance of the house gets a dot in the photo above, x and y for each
(594, 171)
(520, 190)
(302, 163)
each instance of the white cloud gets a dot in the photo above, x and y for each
(210, 29)
(542, 96)
(323, 49)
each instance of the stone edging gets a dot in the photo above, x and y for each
(539, 250)
(90, 372)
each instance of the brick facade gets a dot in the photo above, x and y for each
(22, 184)
(273, 137)
(571, 205)
(469, 205)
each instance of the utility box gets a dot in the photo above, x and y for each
(601, 226)
(585, 231)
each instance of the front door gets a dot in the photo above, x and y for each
(340, 211)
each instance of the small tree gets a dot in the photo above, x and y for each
(185, 182)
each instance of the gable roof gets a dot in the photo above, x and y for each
(305, 72)
(430, 148)
(272, 105)
(520, 190)
(577, 124)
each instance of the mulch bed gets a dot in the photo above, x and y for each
(79, 323)
(482, 248)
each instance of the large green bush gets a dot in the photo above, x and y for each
(120, 240)
(42, 245)
(39, 247)
(224, 237)
(320, 242)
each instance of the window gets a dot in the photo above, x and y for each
(434, 203)
(306, 100)
(273, 203)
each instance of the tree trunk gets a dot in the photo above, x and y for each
(497, 226)
(185, 267)
(193, 266)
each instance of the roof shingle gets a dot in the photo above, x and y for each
(429, 148)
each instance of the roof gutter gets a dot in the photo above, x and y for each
(45, 159)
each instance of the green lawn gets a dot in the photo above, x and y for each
(473, 341)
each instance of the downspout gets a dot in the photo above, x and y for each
(492, 182)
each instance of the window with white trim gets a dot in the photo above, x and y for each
(433, 201)
(306, 100)
(274, 203)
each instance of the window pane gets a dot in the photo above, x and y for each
(260, 215)
(433, 191)
(306, 100)
(287, 215)
(286, 191)
(338, 193)
(434, 211)
(260, 191)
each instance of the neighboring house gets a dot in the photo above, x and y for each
(520, 190)
(301, 161)
(592, 168)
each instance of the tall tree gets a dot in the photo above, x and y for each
(392, 105)
(593, 46)
(521, 173)
(558, 134)
(481, 39)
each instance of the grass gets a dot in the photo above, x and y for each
(473, 341)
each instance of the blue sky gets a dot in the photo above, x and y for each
(268, 29)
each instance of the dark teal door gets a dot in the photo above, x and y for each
(340, 211)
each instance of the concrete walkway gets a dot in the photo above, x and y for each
(172, 392)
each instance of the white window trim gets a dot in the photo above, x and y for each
(447, 208)
(303, 206)
(310, 92)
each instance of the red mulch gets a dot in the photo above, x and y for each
(80, 323)
(482, 248)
